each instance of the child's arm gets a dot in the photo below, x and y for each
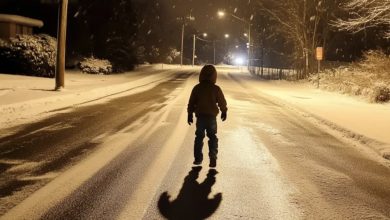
(222, 103)
(191, 107)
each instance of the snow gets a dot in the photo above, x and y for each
(350, 113)
(24, 99)
(366, 122)
(353, 118)
(69, 181)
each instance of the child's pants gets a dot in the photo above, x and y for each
(208, 124)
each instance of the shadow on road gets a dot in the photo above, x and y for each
(192, 201)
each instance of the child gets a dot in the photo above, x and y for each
(203, 101)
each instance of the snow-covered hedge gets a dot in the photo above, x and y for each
(29, 55)
(369, 78)
(381, 92)
(375, 61)
(95, 66)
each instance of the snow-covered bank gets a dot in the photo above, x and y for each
(24, 99)
(368, 123)
(368, 78)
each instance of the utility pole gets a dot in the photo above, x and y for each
(61, 44)
(183, 19)
(249, 45)
(262, 52)
(214, 50)
(193, 50)
(182, 42)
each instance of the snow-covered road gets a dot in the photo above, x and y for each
(120, 159)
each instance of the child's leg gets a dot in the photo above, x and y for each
(213, 140)
(199, 135)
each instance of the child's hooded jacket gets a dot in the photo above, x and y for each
(205, 96)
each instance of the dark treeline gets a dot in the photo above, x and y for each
(125, 32)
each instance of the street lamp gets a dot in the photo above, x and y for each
(183, 19)
(227, 35)
(204, 40)
(194, 46)
(221, 14)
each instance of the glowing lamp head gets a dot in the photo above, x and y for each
(221, 14)
(239, 61)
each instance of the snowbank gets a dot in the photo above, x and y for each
(368, 123)
(369, 78)
(24, 99)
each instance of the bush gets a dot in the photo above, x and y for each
(369, 78)
(381, 93)
(95, 66)
(33, 55)
(375, 61)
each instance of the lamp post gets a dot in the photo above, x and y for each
(214, 51)
(194, 46)
(183, 19)
(193, 50)
(222, 14)
(182, 42)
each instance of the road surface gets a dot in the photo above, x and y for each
(130, 157)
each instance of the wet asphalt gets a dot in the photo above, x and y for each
(58, 142)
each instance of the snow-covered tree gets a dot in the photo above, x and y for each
(365, 13)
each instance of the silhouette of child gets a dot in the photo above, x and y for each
(203, 101)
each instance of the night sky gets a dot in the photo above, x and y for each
(166, 30)
(205, 13)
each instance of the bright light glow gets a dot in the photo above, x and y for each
(221, 14)
(245, 34)
(237, 46)
(239, 61)
(204, 34)
(226, 35)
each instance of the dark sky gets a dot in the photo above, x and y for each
(205, 13)
(206, 20)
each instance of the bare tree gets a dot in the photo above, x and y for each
(303, 22)
(364, 14)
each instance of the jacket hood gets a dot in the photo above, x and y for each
(208, 73)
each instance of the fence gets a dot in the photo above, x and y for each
(270, 73)
(276, 73)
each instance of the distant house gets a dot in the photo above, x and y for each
(12, 25)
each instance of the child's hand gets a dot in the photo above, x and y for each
(190, 119)
(223, 116)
